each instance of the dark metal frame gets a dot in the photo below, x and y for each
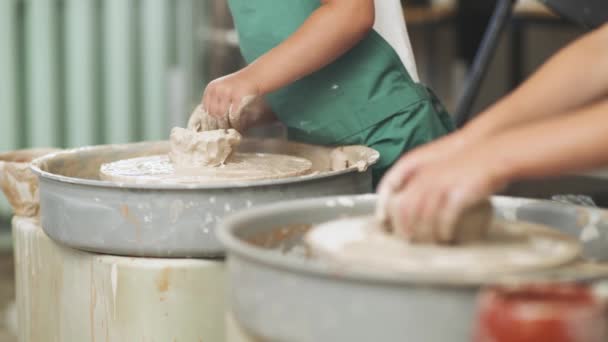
(587, 13)
(499, 21)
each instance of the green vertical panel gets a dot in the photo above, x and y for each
(81, 75)
(9, 94)
(176, 78)
(99, 74)
(155, 28)
(185, 32)
(119, 91)
(202, 25)
(9, 103)
(42, 58)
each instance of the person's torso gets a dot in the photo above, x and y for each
(362, 87)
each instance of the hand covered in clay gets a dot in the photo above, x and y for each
(226, 103)
(444, 201)
(201, 121)
(253, 111)
(413, 161)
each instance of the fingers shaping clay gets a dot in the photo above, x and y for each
(205, 153)
(200, 120)
(470, 224)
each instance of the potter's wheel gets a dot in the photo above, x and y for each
(80, 210)
(280, 291)
(204, 158)
(507, 247)
(240, 168)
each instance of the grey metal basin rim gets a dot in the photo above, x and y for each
(170, 220)
(237, 247)
(36, 168)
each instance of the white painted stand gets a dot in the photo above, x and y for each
(234, 332)
(64, 295)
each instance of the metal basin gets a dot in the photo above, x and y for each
(79, 210)
(278, 292)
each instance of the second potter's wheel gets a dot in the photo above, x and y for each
(241, 167)
(269, 262)
(508, 247)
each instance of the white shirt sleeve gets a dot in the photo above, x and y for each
(390, 25)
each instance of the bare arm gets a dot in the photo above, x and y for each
(553, 124)
(427, 206)
(574, 77)
(555, 146)
(329, 32)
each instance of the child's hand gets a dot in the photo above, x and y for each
(252, 111)
(201, 121)
(228, 94)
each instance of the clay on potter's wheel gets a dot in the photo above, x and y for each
(190, 149)
(203, 158)
(471, 223)
(508, 247)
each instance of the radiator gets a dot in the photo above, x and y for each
(83, 72)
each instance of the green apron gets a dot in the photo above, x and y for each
(364, 97)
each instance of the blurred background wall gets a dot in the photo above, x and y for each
(82, 72)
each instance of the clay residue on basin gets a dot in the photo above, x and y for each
(287, 239)
(162, 282)
(133, 220)
(241, 167)
(18, 183)
(84, 162)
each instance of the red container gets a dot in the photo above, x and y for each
(536, 313)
